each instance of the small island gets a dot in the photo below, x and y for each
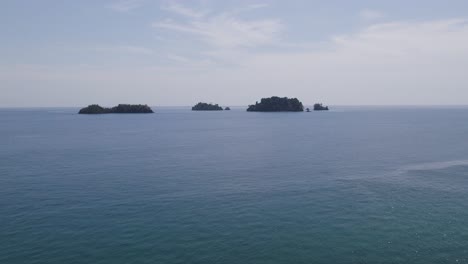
(120, 109)
(277, 104)
(320, 107)
(227, 108)
(206, 107)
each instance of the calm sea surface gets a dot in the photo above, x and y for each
(353, 185)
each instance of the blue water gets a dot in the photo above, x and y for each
(353, 185)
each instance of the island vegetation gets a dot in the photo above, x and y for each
(206, 107)
(227, 108)
(320, 107)
(120, 109)
(277, 104)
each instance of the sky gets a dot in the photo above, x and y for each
(233, 52)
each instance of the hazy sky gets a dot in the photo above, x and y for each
(349, 52)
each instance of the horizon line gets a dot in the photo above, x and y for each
(337, 105)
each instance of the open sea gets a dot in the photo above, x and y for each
(352, 185)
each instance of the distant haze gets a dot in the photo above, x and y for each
(173, 53)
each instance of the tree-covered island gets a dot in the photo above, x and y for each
(120, 109)
(320, 107)
(206, 107)
(277, 104)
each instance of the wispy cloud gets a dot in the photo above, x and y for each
(184, 11)
(178, 58)
(131, 49)
(224, 30)
(126, 5)
(369, 14)
(256, 6)
(247, 8)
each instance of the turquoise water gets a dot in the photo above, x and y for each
(353, 185)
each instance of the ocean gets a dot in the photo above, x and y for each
(351, 185)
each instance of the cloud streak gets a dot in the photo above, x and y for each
(224, 30)
(184, 11)
(126, 5)
(369, 14)
(124, 49)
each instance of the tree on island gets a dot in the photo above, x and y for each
(277, 104)
(93, 109)
(120, 109)
(320, 107)
(206, 107)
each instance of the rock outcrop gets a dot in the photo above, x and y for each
(277, 104)
(120, 109)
